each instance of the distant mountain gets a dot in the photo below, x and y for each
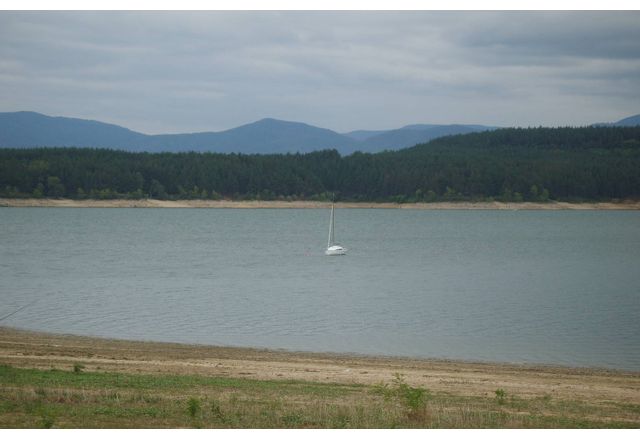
(360, 135)
(628, 121)
(26, 129)
(264, 136)
(267, 136)
(413, 134)
(409, 135)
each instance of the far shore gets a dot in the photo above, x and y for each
(228, 204)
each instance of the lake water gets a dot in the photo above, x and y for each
(551, 287)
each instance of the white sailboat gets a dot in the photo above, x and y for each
(333, 249)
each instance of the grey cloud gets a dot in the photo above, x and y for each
(608, 35)
(189, 71)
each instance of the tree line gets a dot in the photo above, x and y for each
(514, 164)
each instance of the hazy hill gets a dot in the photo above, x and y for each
(628, 121)
(360, 135)
(27, 129)
(413, 134)
(267, 136)
(409, 135)
(264, 136)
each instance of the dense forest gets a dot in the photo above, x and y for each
(514, 164)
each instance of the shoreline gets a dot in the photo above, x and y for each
(40, 350)
(227, 204)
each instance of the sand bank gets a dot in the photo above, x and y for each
(41, 350)
(225, 204)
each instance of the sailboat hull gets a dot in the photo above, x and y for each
(332, 248)
(335, 250)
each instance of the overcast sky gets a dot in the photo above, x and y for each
(167, 72)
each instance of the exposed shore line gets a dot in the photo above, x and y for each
(227, 204)
(28, 349)
(66, 381)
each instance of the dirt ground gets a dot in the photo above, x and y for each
(225, 204)
(39, 350)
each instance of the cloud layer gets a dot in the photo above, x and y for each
(160, 72)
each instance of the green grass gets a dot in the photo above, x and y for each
(32, 398)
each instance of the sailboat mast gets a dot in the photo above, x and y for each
(330, 229)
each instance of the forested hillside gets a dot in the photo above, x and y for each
(593, 163)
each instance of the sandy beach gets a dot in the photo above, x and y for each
(226, 204)
(26, 349)
(68, 381)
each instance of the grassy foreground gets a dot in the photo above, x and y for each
(67, 381)
(73, 398)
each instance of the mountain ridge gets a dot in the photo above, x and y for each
(626, 122)
(29, 129)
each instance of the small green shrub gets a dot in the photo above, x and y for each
(77, 368)
(47, 421)
(193, 406)
(292, 420)
(413, 398)
(500, 395)
(384, 390)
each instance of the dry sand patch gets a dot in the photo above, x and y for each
(40, 350)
